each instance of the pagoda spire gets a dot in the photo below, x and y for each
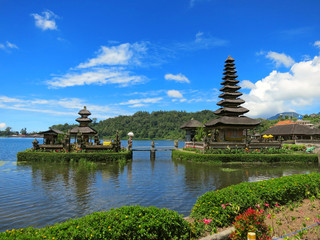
(84, 120)
(230, 105)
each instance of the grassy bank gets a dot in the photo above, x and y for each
(73, 156)
(223, 158)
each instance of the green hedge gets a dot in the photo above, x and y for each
(63, 156)
(222, 158)
(129, 222)
(224, 205)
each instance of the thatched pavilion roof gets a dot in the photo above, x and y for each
(291, 129)
(192, 124)
(84, 130)
(241, 121)
(52, 132)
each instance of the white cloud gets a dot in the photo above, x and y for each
(280, 59)
(202, 41)
(8, 45)
(96, 76)
(317, 44)
(103, 70)
(45, 21)
(66, 106)
(11, 45)
(122, 54)
(3, 125)
(288, 91)
(246, 84)
(174, 94)
(178, 78)
(142, 102)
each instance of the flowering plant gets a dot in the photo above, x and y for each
(250, 221)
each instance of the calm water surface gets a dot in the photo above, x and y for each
(38, 194)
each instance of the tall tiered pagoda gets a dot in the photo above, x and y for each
(230, 125)
(84, 128)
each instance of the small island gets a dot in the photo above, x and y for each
(57, 146)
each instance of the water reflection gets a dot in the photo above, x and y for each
(37, 194)
(200, 176)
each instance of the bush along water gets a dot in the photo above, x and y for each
(222, 206)
(129, 222)
(102, 156)
(240, 157)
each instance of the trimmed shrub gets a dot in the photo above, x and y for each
(294, 147)
(71, 156)
(129, 222)
(222, 158)
(224, 205)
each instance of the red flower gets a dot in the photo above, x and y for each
(206, 221)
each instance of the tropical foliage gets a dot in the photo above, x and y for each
(129, 222)
(222, 206)
(145, 125)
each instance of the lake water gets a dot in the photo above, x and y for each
(38, 194)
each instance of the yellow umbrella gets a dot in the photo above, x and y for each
(265, 136)
(270, 136)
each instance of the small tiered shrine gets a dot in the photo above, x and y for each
(230, 125)
(191, 128)
(83, 129)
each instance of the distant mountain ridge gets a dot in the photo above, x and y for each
(284, 114)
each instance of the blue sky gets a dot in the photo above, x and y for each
(120, 57)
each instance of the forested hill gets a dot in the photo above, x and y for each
(145, 125)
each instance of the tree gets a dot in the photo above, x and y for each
(23, 131)
(8, 131)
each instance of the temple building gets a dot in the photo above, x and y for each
(191, 128)
(230, 125)
(83, 129)
(293, 131)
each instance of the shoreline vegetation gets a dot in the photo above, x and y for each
(102, 156)
(212, 211)
(157, 125)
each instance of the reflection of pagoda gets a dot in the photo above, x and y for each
(84, 128)
(230, 124)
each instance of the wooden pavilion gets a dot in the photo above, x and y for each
(50, 136)
(231, 125)
(191, 128)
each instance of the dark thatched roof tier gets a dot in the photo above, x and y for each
(82, 119)
(52, 132)
(233, 121)
(228, 76)
(83, 130)
(192, 124)
(228, 111)
(229, 59)
(291, 129)
(229, 82)
(229, 95)
(230, 102)
(229, 88)
(84, 112)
